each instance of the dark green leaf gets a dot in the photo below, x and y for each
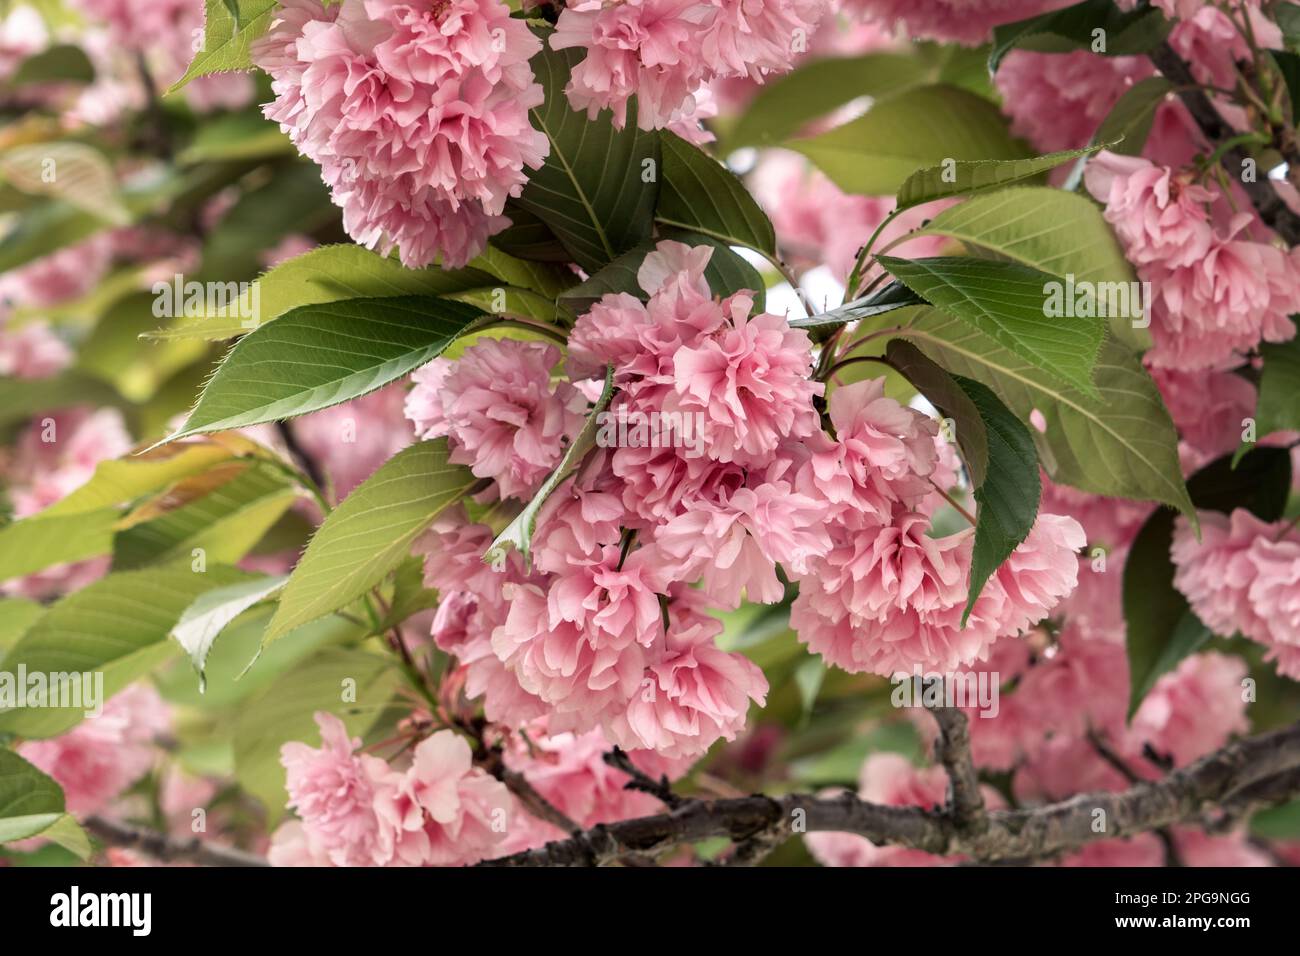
(1128, 123)
(1278, 407)
(1122, 445)
(320, 355)
(893, 296)
(1008, 496)
(701, 195)
(951, 399)
(1008, 302)
(1076, 28)
(595, 190)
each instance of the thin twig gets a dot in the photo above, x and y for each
(168, 849)
(642, 781)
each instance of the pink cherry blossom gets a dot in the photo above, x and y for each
(504, 417)
(98, 759)
(750, 381)
(333, 789)
(691, 697)
(1193, 710)
(1215, 574)
(418, 116)
(1158, 216)
(1057, 100)
(30, 349)
(647, 48)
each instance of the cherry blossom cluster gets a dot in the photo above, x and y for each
(417, 113)
(664, 51)
(1219, 291)
(1243, 577)
(608, 628)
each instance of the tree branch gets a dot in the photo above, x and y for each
(1262, 194)
(952, 749)
(167, 849)
(1244, 770)
(642, 781)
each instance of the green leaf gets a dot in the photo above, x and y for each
(519, 533)
(320, 355)
(118, 625)
(78, 174)
(118, 481)
(30, 801)
(205, 619)
(17, 615)
(701, 195)
(1122, 445)
(590, 191)
(58, 64)
(964, 178)
(528, 238)
(874, 154)
(227, 38)
(892, 297)
(410, 596)
(230, 679)
(1278, 406)
(726, 273)
(1280, 822)
(1129, 120)
(224, 521)
(951, 399)
(1288, 20)
(785, 104)
(328, 274)
(367, 535)
(1288, 64)
(1074, 28)
(67, 833)
(545, 279)
(1050, 230)
(36, 543)
(236, 136)
(1008, 496)
(353, 685)
(1008, 302)
(1161, 627)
